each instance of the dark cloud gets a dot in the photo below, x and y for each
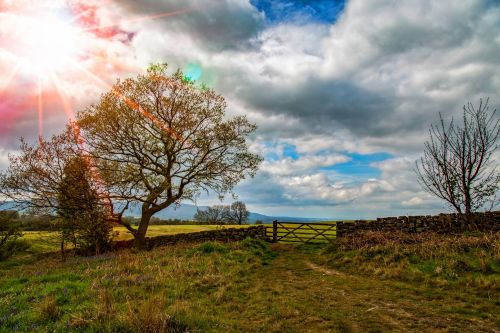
(215, 24)
(321, 104)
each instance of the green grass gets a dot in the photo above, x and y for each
(449, 261)
(158, 230)
(47, 241)
(249, 286)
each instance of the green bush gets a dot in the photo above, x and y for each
(9, 240)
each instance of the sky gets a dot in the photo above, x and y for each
(343, 92)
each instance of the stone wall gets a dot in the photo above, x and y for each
(221, 235)
(442, 223)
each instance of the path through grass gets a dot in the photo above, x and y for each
(239, 287)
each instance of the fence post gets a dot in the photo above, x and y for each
(275, 231)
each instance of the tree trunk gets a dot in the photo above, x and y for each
(468, 210)
(63, 257)
(140, 236)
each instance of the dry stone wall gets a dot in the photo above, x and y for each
(442, 223)
(221, 235)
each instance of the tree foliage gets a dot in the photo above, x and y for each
(9, 239)
(158, 139)
(458, 164)
(33, 177)
(53, 177)
(83, 217)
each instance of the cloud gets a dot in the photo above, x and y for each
(368, 80)
(214, 25)
(289, 166)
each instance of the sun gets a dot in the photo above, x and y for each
(41, 44)
(52, 51)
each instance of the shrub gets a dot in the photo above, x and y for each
(83, 215)
(9, 240)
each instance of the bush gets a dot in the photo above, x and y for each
(36, 222)
(9, 240)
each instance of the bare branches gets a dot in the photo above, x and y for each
(236, 213)
(457, 165)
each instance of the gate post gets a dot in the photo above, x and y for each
(275, 231)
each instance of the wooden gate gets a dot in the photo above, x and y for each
(294, 232)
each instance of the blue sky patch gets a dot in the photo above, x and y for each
(290, 151)
(359, 165)
(323, 11)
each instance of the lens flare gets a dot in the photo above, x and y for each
(193, 72)
(45, 43)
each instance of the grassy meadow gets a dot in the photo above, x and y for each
(47, 241)
(376, 283)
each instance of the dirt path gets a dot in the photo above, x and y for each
(313, 298)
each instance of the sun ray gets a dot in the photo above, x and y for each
(40, 107)
(142, 18)
(63, 97)
(42, 44)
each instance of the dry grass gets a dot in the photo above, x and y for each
(238, 287)
(467, 260)
(48, 309)
(427, 244)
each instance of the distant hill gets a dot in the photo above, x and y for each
(187, 211)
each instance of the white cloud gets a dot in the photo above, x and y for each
(289, 166)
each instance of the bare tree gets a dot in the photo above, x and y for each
(458, 164)
(212, 215)
(165, 140)
(238, 213)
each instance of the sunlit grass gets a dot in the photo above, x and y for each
(48, 241)
(247, 286)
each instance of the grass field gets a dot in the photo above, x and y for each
(377, 282)
(46, 241)
(252, 286)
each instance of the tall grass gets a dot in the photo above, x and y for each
(470, 260)
(128, 291)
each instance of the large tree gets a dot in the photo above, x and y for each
(166, 139)
(458, 164)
